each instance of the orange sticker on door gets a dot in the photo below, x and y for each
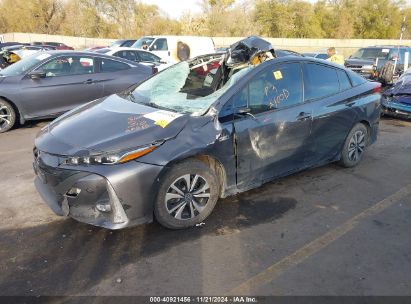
(278, 75)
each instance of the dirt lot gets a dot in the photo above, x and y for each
(326, 231)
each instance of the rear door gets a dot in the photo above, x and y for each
(115, 76)
(328, 89)
(69, 82)
(272, 138)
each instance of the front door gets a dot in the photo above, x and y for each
(69, 82)
(160, 48)
(272, 133)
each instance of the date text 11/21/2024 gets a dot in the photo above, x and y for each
(204, 299)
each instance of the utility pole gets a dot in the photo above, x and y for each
(403, 28)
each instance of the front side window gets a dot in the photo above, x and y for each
(160, 45)
(275, 88)
(68, 65)
(319, 81)
(144, 41)
(108, 65)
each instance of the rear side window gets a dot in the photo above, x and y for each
(322, 56)
(126, 55)
(145, 56)
(319, 81)
(356, 79)
(108, 65)
(345, 83)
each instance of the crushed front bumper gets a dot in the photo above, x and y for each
(392, 108)
(112, 196)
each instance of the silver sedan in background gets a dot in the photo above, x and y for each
(50, 83)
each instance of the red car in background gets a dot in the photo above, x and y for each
(58, 45)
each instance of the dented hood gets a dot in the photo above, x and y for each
(107, 125)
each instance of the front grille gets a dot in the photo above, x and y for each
(354, 67)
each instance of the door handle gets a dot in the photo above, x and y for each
(88, 81)
(303, 116)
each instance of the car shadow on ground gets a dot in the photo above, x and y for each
(67, 257)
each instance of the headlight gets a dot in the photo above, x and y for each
(110, 158)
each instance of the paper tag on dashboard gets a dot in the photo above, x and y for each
(162, 118)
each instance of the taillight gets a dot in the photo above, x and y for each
(377, 88)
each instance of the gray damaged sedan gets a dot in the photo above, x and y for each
(200, 130)
(50, 83)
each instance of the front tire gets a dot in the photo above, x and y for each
(7, 116)
(187, 195)
(354, 146)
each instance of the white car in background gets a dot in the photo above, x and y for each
(176, 48)
(136, 55)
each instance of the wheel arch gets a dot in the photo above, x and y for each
(19, 115)
(211, 161)
(367, 124)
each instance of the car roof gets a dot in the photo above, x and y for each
(93, 54)
(125, 48)
(385, 46)
(304, 59)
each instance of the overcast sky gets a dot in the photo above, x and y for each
(174, 8)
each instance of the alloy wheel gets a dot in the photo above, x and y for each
(187, 196)
(5, 117)
(356, 146)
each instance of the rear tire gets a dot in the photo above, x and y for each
(7, 116)
(354, 146)
(187, 195)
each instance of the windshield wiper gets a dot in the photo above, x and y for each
(154, 105)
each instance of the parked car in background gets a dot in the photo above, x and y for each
(368, 61)
(12, 54)
(284, 53)
(57, 45)
(122, 43)
(136, 55)
(48, 84)
(221, 49)
(29, 47)
(94, 48)
(8, 44)
(318, 55)
(171, 146)
(396, 101)
(176, 48)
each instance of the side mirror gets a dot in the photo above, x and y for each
(37, 75)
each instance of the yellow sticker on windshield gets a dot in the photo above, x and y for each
(278, 75)
(162, 123)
